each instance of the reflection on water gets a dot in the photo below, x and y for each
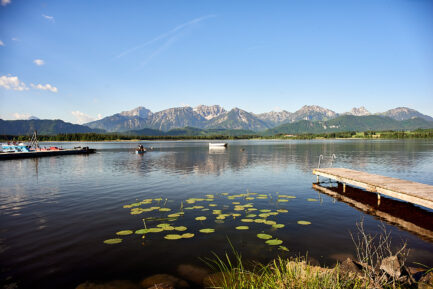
(56, 211)
(407, 216)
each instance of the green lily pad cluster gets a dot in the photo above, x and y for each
(242, 211)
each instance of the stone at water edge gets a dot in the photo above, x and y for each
(117, 284)
(164, 278)
(350, 266)
(192, 273)
(391, 266)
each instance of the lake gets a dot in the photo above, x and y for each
(56, 212)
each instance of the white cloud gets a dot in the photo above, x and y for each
(12, 82)
(39, 62)
(81, 117)
(44, 87)
(99, 116)
(18, 115)
(6, 2)
(1, 43)
(49, 18)
(15, 39)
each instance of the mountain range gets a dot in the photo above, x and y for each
(216, 117)
(212, 120)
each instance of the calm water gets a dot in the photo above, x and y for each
(57, 211)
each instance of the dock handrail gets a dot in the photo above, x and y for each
(320, 158)
(332, 157)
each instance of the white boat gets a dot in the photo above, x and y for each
(217, 144)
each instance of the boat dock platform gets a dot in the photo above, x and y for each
(47, 153)
(408, 191)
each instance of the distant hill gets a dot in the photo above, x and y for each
(403, 113)
(350, 123)
(43, 127)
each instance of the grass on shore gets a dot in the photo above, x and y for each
(282, 273)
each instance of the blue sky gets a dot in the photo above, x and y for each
(80, 60)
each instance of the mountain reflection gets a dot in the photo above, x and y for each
(400, 157)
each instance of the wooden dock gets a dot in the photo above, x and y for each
(37, 154)
(412, 192)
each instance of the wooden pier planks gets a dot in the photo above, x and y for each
(412, 192)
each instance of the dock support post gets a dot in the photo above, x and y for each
(378, 199)
(344, 187)
(318, 181)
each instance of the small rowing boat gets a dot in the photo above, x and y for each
(140, 149)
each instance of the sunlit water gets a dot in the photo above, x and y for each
(56, 212)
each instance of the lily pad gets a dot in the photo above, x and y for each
(219, 221)
(278, 226)
(304, 222)
(264, 236)
(165, 210)
(174, 215)
(124, 232)
(180, 228)
(274, 242)
(283, 248)
(242, 228)
(155, 230)
(312, 200)
(141, 231)
(270, 222)
(113, 241)
(163, 225)
(247, 220)
(202, 218)
(282, 200)
(260, 221)
(173, 237)
(207, 231)
(265, 211)
(282, 211)
(187, 235)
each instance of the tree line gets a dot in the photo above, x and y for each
(420, 133)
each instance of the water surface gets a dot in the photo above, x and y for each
(57, 211)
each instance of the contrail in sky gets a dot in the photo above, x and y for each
(165, 35)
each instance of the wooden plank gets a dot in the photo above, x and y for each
(412, 192)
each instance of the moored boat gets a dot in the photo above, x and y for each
(217, 145)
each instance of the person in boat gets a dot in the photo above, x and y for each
(140, 148)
